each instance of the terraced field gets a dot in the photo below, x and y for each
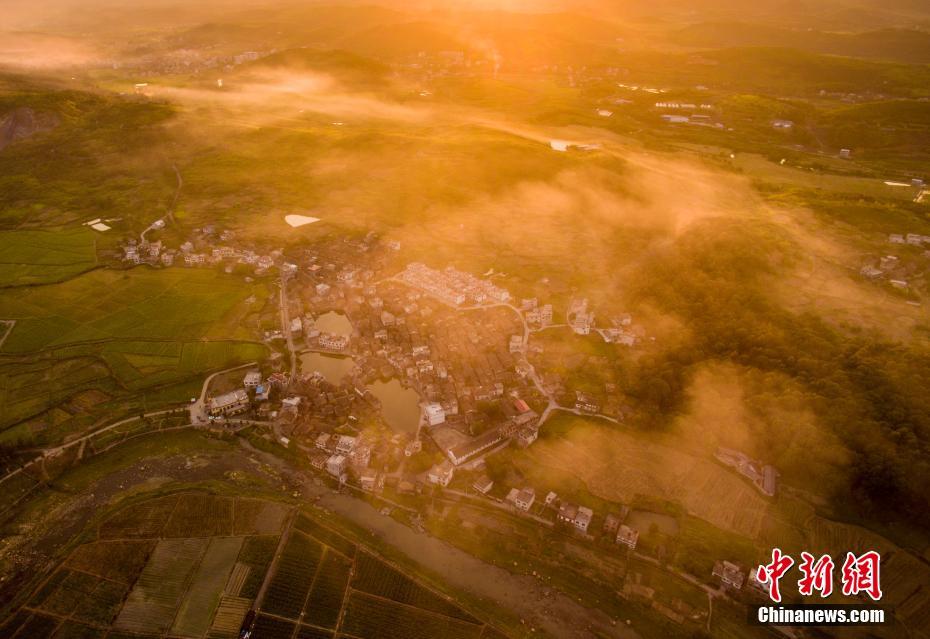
(192, 566)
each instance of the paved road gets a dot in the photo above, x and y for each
(198, 409)
(9, 329)
(286, 328)
(56, 450)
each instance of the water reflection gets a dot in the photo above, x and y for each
(400, 406)
(333, 367)
(333, 323)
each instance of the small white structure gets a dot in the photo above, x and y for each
(524, 499)
(435, 414)
(345, 444)
(583, 518)
(441, 474)
(252, 379)
(627, 536)
(336, 465)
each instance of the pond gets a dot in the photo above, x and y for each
(333, 323)
(642, 520)
(333, 367)
(400, 406)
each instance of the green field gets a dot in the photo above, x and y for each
(39, 257)
(203, 595)
(294, 575)
(328, 590)
(141, 304)
(141, 335)
(155, 598)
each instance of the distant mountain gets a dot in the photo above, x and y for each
(900, 45)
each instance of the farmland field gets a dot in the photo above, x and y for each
(204, 594)
(256, 517)
(36, 257)
(272, 628)
(119, 334)
(116, 560)
(140, 578)
(200, 516)
(293, 577)
(307, 632)
(229, 615)
(326, 536)
(325, 600)
(144, 520)
(375, 577)
(165, 305)
(256, 554)
(154, 600)
(370, 617)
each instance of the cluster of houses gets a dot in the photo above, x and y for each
(253, 393)
(156, 253)
(763, 476)
(452, 286)
(579, 317)
(910, 238)
(891, 266)
(534, 314)
(621, 331)
(337, 454)
(689, 106)
(695, 119)
(569, 514)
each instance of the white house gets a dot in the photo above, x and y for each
(435, 413)
(336, 465)
(441, 474)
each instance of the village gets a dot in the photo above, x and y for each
(402, 384)
(902, 269)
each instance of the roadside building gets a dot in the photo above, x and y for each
(441, 474)
(336, 465)
(567, 512)
(228, 404)
(483, 484)
(583, 518)
(524, 499)
(323, 441)
(611, 524)
(252, 379)
(435, 414)
(345, 444)
(729, 574)
(333, 342)
(628, 536)
(370, 480)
